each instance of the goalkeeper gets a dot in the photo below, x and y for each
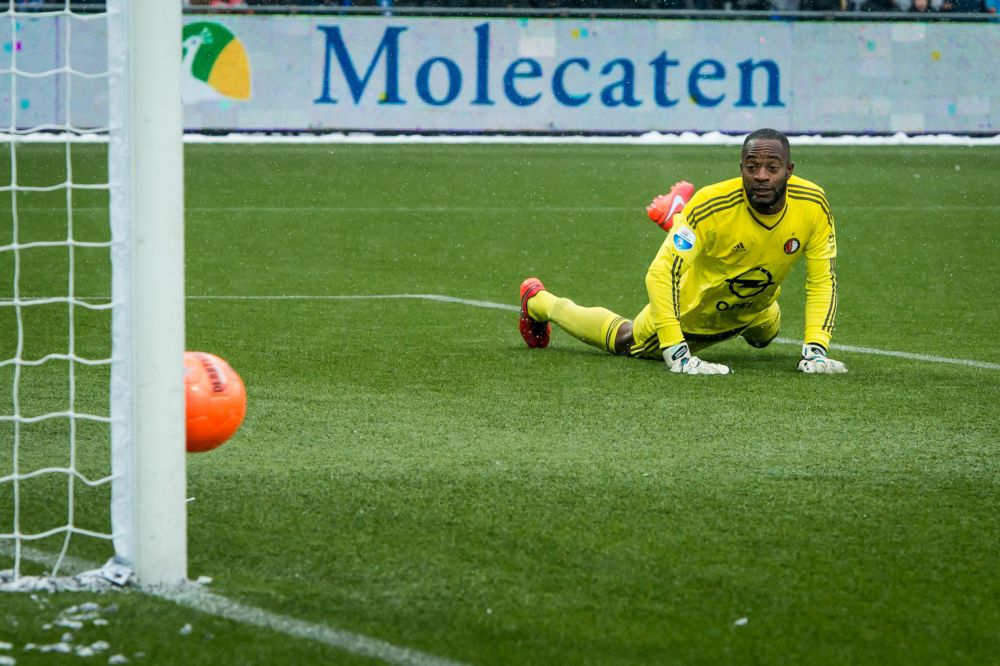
(719, 271)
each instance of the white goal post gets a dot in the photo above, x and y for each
(145, 165)
(144, 289)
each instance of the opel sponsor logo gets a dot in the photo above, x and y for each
(750, 283)
(722, 306)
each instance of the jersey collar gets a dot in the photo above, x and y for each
(769, 222)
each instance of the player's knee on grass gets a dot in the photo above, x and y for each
(758, 344)
(764, 329)
(624, 339)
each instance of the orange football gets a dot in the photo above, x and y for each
(215, 401)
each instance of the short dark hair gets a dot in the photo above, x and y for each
(768, 133)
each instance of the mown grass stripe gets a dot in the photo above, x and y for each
(397, 210)
(515, 308)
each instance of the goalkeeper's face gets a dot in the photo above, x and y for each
(766, 168)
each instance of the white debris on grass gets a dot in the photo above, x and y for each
(654, 138)
(77, 617)
(62, 648)
(7, 661)
(647, 138)
(117, 659)
(5, 646)
(82, 582)
(186, 630)
(741, 622)
(111, 575)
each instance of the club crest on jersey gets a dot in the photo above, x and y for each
(792, 245)
(684, 239)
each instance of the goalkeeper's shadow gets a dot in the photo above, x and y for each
(740, 360)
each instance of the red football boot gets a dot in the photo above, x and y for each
(665, 206)
(535, 333)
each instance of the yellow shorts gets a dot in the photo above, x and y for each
(758, 333)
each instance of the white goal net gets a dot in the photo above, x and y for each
(91, 291)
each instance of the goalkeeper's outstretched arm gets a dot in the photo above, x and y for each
(663, 280)
(821, 311)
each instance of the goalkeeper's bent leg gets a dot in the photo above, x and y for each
(598, 327)
(764, 328)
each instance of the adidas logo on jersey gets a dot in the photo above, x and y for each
(739, 247)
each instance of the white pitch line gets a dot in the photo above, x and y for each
(910, 356)
(193, 596)
(985, 365)
(364, 297)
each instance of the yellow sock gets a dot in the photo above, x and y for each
(595, 326)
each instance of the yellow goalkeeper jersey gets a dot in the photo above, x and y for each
(723, 262)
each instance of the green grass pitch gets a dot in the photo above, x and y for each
(409, 471)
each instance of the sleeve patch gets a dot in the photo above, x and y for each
(684, 239)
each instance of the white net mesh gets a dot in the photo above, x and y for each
(55, 286)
